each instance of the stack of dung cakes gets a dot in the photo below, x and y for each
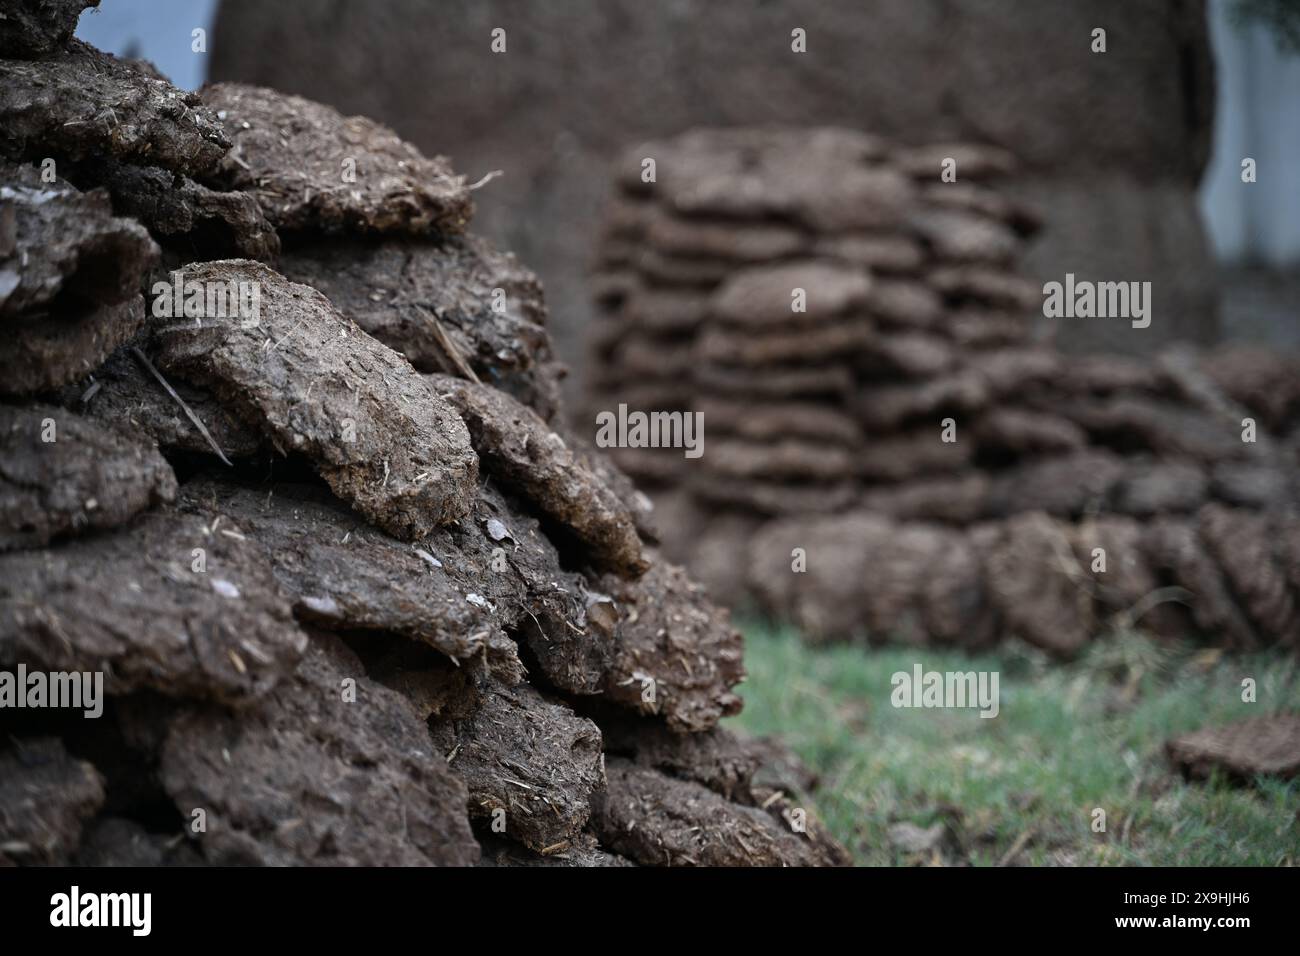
(760, 276)
(763, 277)
(847, 319)
(283, 469)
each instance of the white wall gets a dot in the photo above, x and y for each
(1257, 115)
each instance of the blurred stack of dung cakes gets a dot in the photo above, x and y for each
(848, 318)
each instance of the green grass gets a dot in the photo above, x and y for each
(1023, 786)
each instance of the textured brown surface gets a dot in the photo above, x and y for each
(114, 841)
(582, 851)
(1243, 545)
(657, 820)
(201, 223)
(521, 452)
(132, 605)
(675, 643)
(1036, 582)
(293, 154)
(88, 478)
(66, 246)
(311, 779)
(345, 575)
(46, 796)
(46, 351)
(760, 421)
(529, 757)
(402, 291)
(82, 103)
(1264, 746)
(315, 384)
(717, 759)
(1265, 381)
(822, 182)
(1228, 578)
(762, 296)
(1173, 546)
(122, 393)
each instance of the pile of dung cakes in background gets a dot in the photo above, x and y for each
(769, 279)
(284, 473)
(888, 449)
(764, 275)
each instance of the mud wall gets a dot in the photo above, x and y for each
(1113, 143)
